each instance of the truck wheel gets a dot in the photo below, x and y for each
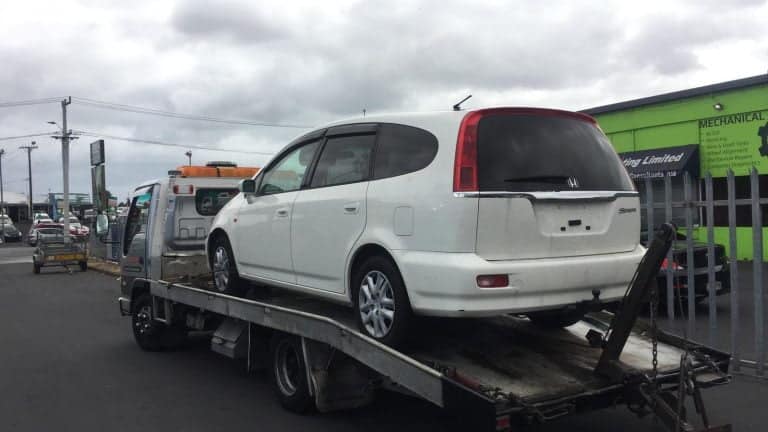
(225, 276)
(556, 318)
(83, 265)
(149, 334)
(289, 373)
(382, 309)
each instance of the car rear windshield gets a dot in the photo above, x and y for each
(209, 201)
(530, 153)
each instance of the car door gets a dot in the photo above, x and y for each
(263, 226)
(330, 214)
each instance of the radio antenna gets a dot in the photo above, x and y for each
(457, 107)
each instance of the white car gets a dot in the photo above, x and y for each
(459, 214)
(75, 227)
(32, 234)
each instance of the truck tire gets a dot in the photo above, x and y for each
(289, 373)
(226, 280)
(151, 335)
(557, 318)
(382, 309)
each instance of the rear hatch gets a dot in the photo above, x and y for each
(550, 185)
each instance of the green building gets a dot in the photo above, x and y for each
(705, 129)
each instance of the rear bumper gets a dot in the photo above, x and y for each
(444, 284)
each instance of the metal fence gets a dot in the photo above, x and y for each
(680, 307)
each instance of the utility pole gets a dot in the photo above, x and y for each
(29, 149)
(2, 199)
(65, 138)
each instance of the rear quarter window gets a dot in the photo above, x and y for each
(402, 149)
(208, 202)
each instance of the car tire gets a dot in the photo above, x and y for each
(382, 309)
(226, 279)
(557, 318)
(289, 373)
(149, 334)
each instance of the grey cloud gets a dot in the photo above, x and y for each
(239, 21)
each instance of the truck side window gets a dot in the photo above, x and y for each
(138, 215)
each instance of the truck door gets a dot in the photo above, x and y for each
(135, 238)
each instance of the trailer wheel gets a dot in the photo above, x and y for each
(36, 267)
(225, 276)
(289, 373)
(150, 335)
(556, 318)
(382, 309)
(83, 265)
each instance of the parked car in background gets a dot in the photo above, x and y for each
(32, 234)
(700, 269)
(47, 231)
(461, 214)
(10, 233)
(75, 227)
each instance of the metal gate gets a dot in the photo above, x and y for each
(733, 321)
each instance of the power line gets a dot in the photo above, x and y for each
(167, 144)
(5, 138)
(29, 102)
(158, 112)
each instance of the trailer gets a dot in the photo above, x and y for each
(494, 374)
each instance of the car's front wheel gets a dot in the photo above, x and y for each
(382, 309)
(225, 276)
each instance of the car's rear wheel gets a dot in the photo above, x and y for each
(225, 276)
(382, 309)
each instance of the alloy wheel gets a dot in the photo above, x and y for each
(376, 304)
(221, 268)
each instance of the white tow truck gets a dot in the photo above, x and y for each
(494, 374)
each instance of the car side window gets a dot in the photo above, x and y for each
(402, 149)
(287, 174)
(138, 215)
(344, 159)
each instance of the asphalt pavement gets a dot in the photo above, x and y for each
(68, 362)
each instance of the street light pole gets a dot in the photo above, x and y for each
(29, 149)
(189, 155)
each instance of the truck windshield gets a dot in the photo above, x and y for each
(546, 153)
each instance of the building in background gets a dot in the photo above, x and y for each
(705, 129)
(15, 205)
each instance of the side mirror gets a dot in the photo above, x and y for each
(247, 186)
(102, 225)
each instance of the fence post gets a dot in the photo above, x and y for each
(757, 272)
(711, 282)
(670, 268)
(690, 289)
(734, 267)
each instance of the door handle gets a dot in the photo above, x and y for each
(283, 212)
(351, 208)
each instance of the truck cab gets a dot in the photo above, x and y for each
(167, 223)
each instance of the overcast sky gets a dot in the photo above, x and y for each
(309, 63)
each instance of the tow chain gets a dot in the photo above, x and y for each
(654, 345)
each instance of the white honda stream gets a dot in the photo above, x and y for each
(460, 214)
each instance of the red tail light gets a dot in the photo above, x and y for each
(493, 281)
(465, 163)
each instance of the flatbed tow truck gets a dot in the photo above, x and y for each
(494, 374)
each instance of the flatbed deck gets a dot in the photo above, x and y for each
(501, 369)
